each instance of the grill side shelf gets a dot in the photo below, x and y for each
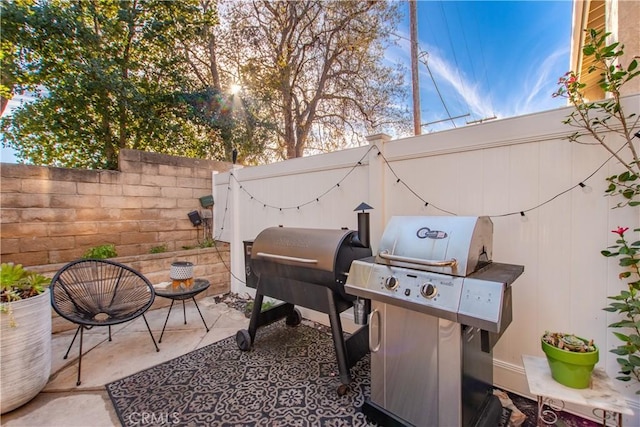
(499, 272)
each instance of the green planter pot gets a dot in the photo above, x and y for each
(570, 368)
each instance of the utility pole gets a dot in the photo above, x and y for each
(413, 24)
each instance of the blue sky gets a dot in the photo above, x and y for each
(487, 58)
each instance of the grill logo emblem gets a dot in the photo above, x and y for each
(427, 233)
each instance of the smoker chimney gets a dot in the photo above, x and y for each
(363, 225)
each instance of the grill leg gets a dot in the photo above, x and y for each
(255, 316)
(338, 339)
(245, 338)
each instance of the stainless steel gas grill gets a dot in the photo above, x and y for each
(307, 267)
(439, 305)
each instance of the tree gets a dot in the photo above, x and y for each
(317, 68)
(154, 75)
(233, 120)
(12, 19)
(107, 78)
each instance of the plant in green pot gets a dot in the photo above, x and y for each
(25, 340)
(571, 358)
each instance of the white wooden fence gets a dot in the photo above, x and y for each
(504, 169)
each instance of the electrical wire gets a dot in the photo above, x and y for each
(453, 51)
(484, 64)
(224, 216)
(438, 90)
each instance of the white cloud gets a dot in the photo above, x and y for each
(507, 95)
(452, 83)
(456, 79)
(541, 83)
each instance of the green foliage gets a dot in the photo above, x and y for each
(106, 76)
(232, 120)
(627, 304)
(150, 75)
(266, 305)
(158, 249)
(101, 252)
(599, 119)
(207, 243)
(18, 283)
(625, 185)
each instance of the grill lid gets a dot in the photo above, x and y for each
(450, 245)
(301, 247)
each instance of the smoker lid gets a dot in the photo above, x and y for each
(304, 247)
(451, 245)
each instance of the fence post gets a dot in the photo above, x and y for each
(376, 183)
(237, 248)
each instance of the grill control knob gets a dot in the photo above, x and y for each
(391, 283)
(428, 290)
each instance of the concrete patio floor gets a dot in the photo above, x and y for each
(62, 403)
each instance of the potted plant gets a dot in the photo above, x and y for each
(571, 358)
(25, 340)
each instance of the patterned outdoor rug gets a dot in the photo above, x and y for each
(289, 378)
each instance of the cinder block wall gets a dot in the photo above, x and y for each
(53, 215)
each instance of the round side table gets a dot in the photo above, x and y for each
(181, 294)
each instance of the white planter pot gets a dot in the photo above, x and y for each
(181, 270)
(25, 350)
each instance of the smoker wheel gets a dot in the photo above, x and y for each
(342, 389)
(243, 339)
(294, 318)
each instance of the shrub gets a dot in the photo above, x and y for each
(158, 249)
(101, 252)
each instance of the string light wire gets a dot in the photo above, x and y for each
(315, 199)
(399, 180)
(522, 214)
(411, 190)
(578, 185)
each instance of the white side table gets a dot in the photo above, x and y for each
(606, 403)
